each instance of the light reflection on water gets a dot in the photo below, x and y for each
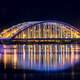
(40, 57)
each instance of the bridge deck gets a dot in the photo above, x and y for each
(40, 41)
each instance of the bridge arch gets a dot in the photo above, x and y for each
(68, 31)
(16, 30)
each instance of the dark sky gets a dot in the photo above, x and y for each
(17, 11)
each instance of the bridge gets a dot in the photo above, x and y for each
(40, 32)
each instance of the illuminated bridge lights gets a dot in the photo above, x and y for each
(40, 45)
(40, 41)
(42, 29)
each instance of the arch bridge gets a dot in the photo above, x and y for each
(41, 32)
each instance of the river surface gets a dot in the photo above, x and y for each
(40, 57)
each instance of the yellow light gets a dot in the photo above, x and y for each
(15, 57)
(24, 53)
(72, 54)
(77, 56)
(24, 35)
(48, 57)
(5, 59)
(31, 29)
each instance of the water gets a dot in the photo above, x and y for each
(40, 57)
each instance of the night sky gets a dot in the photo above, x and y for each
(14, 12)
